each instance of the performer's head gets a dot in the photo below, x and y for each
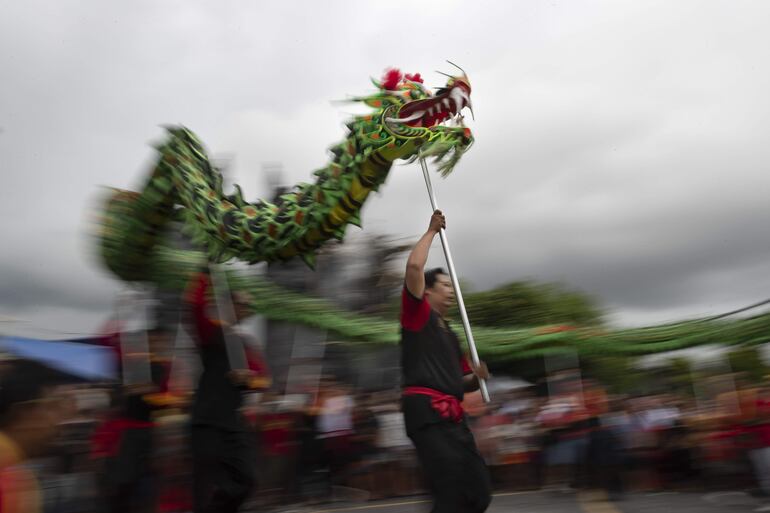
(439, 291)
(29, 410)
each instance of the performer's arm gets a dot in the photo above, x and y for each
(257, 376)
(161, 396)
(415, 312)
(471, 375)
(470, 383)
(415, 264)
(260, 378)
(196, 297)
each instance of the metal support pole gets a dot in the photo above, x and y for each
(455, 282)
(133, 341)
(236, 353)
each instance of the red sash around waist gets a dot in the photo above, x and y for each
(448, 406)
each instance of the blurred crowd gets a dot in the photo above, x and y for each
(337, 443)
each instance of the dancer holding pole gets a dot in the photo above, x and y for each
(435, 377)
(224, 455)
(455, 283)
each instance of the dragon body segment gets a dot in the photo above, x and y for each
(404, 123)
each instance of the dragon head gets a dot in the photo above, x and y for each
(411, 118)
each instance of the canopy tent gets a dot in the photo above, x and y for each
(80, 358)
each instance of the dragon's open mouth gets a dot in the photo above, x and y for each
(427, 113)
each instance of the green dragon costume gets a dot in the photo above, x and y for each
(405, 122)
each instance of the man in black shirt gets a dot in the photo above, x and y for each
(223, 444)
(435, 377)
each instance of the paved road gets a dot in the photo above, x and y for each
(540, 502)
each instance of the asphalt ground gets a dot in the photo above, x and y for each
(557, 502)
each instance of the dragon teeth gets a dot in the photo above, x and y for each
(457, 97)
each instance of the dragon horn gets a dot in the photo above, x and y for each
(458, 67)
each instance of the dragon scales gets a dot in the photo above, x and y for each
(405, 122)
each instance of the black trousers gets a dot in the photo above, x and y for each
(224, 464)
(128, 481)
(455, 471)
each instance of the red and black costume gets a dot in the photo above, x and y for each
(223, 444)
(433, 367)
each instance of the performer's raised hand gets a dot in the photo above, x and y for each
(415, 264)
(437, 222)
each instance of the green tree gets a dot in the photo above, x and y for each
(679, 376)
(522, 304)
(748, 361)
(618, 373)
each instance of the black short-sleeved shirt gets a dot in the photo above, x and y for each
(217, 400)
(430, 357)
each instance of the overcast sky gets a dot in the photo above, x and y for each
(622, 147)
